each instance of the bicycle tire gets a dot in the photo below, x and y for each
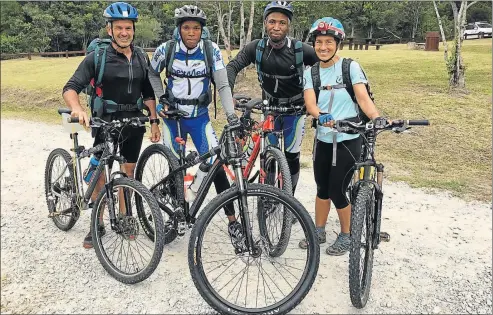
(274, 155)
(195, 260)
(361, 216)
(177, 192)
(75, 213)
(158, 239)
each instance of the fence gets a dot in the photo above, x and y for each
(44, 54)
(352, 43)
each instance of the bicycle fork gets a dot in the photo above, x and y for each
(379, 236)
(245, 214)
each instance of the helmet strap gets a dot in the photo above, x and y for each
(328, 60)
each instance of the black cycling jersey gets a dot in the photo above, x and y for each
(123, 82)
(274, 62)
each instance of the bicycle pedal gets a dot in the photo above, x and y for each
(384, 237)
(182, 228)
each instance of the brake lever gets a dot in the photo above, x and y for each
(401, 129)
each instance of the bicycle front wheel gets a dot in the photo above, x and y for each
(125, 250)
(361, 250)
(274, 223)
(251, 281)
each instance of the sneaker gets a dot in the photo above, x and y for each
(340, 246)
(235, 231)
(88, 239)
(322, 238)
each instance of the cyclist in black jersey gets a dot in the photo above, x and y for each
(125, 82)
(279, 74)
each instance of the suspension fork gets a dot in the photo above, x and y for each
(378, 206)
(243, 206)
(186, 206)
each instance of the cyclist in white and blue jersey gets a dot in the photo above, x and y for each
(189, 70)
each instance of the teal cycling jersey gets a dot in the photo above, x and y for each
(343, 106)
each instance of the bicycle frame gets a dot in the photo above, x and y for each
(266, 128)
(108, 156)
(190, 211)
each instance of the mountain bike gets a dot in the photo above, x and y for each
(213, 255)
(365, 195)
(115, 226)
(274, 169)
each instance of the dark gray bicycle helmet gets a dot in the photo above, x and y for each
(190, 13)
(279, 6)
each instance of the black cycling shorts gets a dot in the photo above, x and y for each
(332, 181)
(129, 139)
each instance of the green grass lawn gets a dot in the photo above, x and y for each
(454, 153)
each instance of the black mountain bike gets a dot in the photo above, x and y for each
(120, 244)
(235, 276)
(365, 194)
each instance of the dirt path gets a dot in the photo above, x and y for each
(438, 260)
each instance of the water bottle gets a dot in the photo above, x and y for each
(93, 164)
(191, 193)
(187, 181)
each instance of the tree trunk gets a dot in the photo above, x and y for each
(230, 13)
(250, 23)
(457, 79)
(352, 31)
(455, 65)
(307, 37)
(220, 22)
(242, 25)
(444, 40)
(370, 32)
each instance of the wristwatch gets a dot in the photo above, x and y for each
(154, 121)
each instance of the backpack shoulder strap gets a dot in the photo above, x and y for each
(298, 52)
(209, 62)
(143, 59)
(170, 56)
(209, 57)
(259, 52)
(346, 77)
(100, 61)
(315, 71)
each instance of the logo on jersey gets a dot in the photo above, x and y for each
(292, 67)
(339, 79)
(217, 54)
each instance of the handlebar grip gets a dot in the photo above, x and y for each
(418, 122)
(72, 120)
(64, 111)
(239, 97)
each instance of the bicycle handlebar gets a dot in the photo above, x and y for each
(396, 125)
(97, 122)
(247, 104)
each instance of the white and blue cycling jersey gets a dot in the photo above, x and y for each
(188, 80)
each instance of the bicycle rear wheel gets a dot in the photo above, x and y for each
(126, 252)
(60, 189)
(274, 223)
(251, 281)
(361, 251)
(154, 164)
